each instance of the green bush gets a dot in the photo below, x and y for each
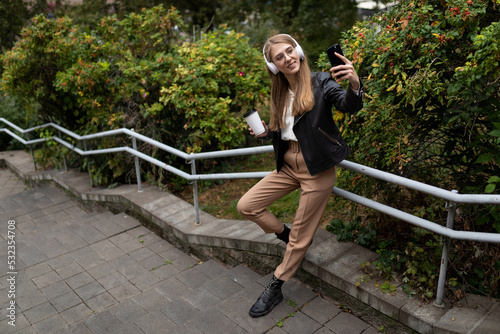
(432, 114)
(213, 80)
(115, 75)
(15, 112)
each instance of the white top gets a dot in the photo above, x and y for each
(287, 132)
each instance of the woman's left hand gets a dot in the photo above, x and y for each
(346, 71)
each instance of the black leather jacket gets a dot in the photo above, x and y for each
(319, 138)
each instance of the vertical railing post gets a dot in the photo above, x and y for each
(195, 192)
(31, 150)
(90, 174)
(452, 209)
(137, 167)
(64, 156)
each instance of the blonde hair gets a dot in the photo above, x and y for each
(304, 98)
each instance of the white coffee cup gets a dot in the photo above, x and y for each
(253, 119)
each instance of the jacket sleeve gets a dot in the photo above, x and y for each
(270, 135)
(344, 101)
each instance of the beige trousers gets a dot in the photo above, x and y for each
(315, 192)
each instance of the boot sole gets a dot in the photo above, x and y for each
(261, 314)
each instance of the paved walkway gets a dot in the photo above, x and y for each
(97, 272)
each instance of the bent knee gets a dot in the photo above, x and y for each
(242, 208)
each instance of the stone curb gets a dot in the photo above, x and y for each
(331, 267)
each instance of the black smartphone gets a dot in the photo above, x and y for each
(334, 60)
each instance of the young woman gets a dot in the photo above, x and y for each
(307, 146)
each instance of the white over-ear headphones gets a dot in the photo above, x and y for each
(273, 67)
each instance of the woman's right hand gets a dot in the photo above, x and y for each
(263, 134)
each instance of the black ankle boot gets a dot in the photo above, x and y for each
(271, 297)
(284, 235)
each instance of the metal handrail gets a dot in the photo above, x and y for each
(452, 197)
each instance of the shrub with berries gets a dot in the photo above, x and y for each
(432, 113)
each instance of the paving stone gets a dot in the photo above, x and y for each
(276, 330)
(455, 319)
(296, 291)
(127, 266)
(112, 280)
(102, 245)
(179, 259)
(223, 286)
(87, 258)
(124, 291)
(111, 253)
(346, 323)
(192, 278)
(201, 298)
(76, 313)
(211, 321)
(145, 236)
(160, 246)
(141, 253)
(51, 248)
(153, 262)
(77, 328)
(371, 330)
(320, 310)
(127, 311)
(212, 268)
(37, 270)
(126, 242)
(101, 270)
(151, 300)
(103, 322)
(79, 280)
(46, 279)
(236, 309)
(40, 312)
(50, 325)
(89, 233)
(90, 290)
(180, 311)
(125, 221)
(28, 301)
(60, 261)
(156, 323)
(101, 302)
(128, 328)
(145, 281)
(70, 270)
(490, 323)
(243, 275)
(108, 228)
(324, 330)
(300, 323)
(71, 241)
(66, 301)
(29, 255)
(166, 271)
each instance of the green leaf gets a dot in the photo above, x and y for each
(494, 179)
(490, 188)
(486, 157)
(454, 118)
(494, 133)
